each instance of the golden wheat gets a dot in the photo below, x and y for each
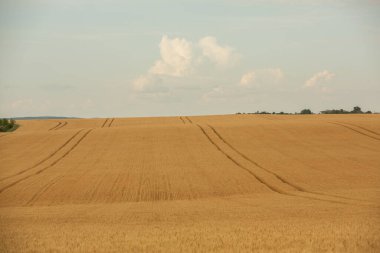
(208, 183)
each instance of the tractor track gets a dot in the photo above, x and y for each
(139, 192)
(355, 130)
(45, 159)
(294, 186)
(109, 125)
(191, 122)
(168, 188)
(363, 128)
(59, 127)
(96, 190)
(182, 120)
(44, 189)
(47, 167)
(272, 188)
(53, 128)
(105, 122)
(114, 187)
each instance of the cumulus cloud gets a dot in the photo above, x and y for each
(180, 59)
(220, 55)
(319, 78)
(261, 77)
(148, 84)
(176, 57)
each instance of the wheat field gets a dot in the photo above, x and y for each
(228, 183)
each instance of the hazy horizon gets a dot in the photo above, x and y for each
(115, 59)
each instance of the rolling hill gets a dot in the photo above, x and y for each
(200, 183)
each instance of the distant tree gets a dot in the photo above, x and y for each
(306, 111)
(334, 111)
(7, 125)
(357, 109)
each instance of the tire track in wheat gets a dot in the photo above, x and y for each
(47, 167)
(96, 189)
(59, 123)
(294, 186)
(355, 130)
(140, 187)
(104, 122)
(272, 188)
(44, 189)
(191, 122)
(115, 184)
(125, 194)
(111, 122)
(182, 120)
(45, 159)
(168, 188)
(59, 127)
(363, 128)
(269, 186)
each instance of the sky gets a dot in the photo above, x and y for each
(113, 58)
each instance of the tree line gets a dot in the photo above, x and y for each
(355, 110)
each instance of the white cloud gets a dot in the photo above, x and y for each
(176, 57)
(215, 93)
(319, 78)
(247, 79)
(148, 84)
(140, 83)
(261, 77)
(181, 61)
(216, 53)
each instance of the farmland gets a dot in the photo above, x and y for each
(199, 183)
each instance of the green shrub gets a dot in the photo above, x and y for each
(7, 125)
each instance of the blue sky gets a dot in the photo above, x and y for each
(138, 58)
